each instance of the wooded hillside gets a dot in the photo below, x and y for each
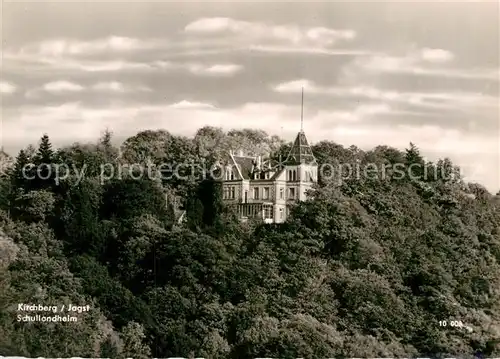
(367, 268)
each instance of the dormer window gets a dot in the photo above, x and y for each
(229, 174)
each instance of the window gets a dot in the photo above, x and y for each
(229, 192)
(268, 212)
(256, 193)
(282, 193)
(265, 194)
(281, 213)
(229, 174)
(291, 193)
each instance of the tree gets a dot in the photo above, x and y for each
(211, 143)
(78, 221)
(128, 198)
(21, 173)
(415, 162)
(133, 337)
(44, 162)
(34, 206)
(105, 144)
(6, 189)
(194, 212)
(364, 268)
(145, 146)
(45, 154)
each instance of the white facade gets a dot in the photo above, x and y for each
(259, 188)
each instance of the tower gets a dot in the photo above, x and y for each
(256, 188)
(300, 165)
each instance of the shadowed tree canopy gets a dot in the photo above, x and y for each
(366, 267)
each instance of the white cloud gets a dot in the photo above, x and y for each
(77, 122)
(87, 55)
(185, 105)
(319, 33)
(297, 86)
(38, 63)
(211, 25)
(109, 86)
(114, 86)
(325, 119)
(307, 50)
(62, 86)
(418, 63)
(62, 47)
(223, 69)
(6, 88)
(436, 55)
(256, 32)
(96, 66)
(186, 116)
(437, 100)
(218, 69)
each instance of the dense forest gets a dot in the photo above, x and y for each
(368, 267)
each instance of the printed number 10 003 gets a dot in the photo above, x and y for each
(452, 323)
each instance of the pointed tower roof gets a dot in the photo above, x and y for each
(301, 152)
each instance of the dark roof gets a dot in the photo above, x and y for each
(245, 165)
(301, 152)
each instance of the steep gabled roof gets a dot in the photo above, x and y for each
(300, 152)
(277, 174)
(245, 165)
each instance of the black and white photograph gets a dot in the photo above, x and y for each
(243, 180)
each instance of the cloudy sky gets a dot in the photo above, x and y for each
(373, 72)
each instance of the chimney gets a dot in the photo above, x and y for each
(240, 153)
(259, 162)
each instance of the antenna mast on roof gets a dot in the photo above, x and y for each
(302, 112)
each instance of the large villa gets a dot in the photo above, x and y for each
(261, 188)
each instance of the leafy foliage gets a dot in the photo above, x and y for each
(368, 267)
